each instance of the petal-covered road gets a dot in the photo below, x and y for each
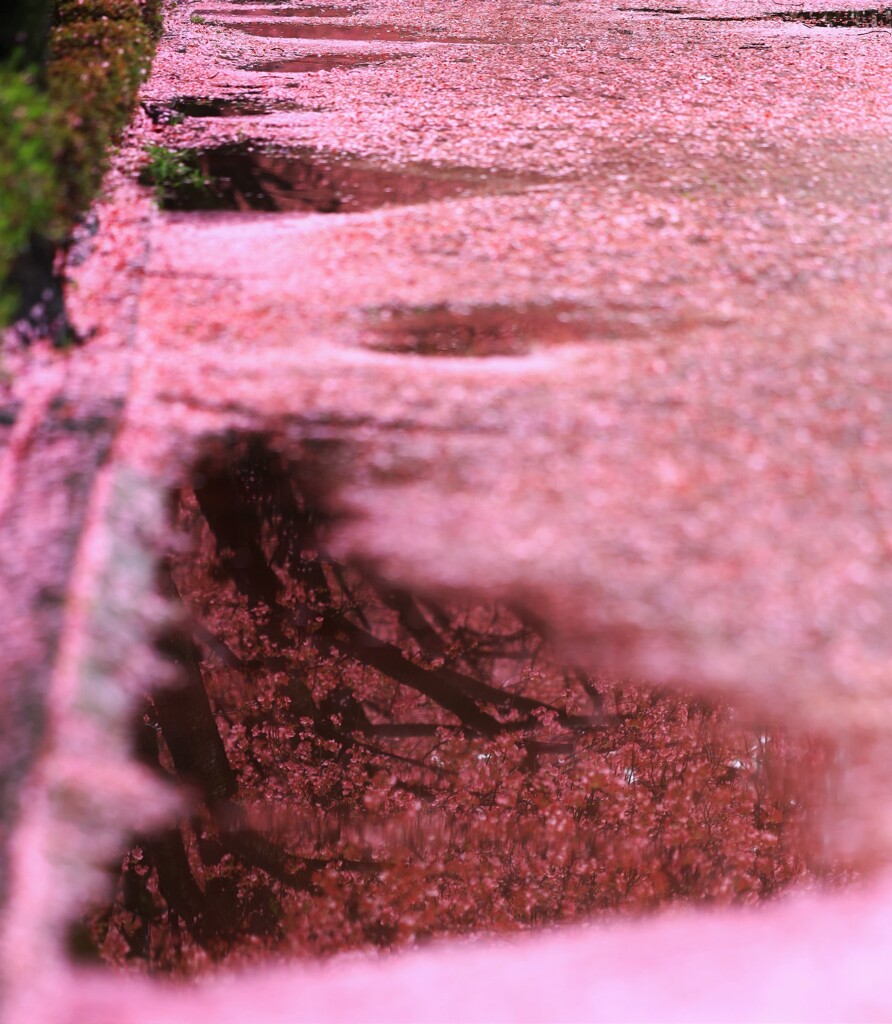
(580, 307)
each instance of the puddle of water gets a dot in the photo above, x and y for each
(715, 17)
(310, 11)
(373, 768)
(356, 33)
(311, 63)
(867, 18)
(9, 413)
(175, 110)
(502, 330)
(242, 177)
(477, 331)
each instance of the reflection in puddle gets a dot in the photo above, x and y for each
(309, 11)
(869, 18)
(9, 414)
(173, 111)
(502, 330)
(866, 18)
(325, 62)
(357, 33)
(376, 768)
(241, 177)
(479, 330)
(717, 17)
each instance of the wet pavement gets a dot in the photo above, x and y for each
(657, 239)
(244, 176)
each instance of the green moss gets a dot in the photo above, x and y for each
(30, 147)
(99, 53)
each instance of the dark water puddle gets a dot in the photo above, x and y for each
(311, 63)
(9, 413)
(175, 110)
(356, 33)
(242, 177)
(502, 330)
(370, 767)
(309, 11)
(490, 330)
(721, 18)
(866, 18)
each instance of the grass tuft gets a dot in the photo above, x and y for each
(171, 172)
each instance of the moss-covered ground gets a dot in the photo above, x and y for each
(58, 123)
